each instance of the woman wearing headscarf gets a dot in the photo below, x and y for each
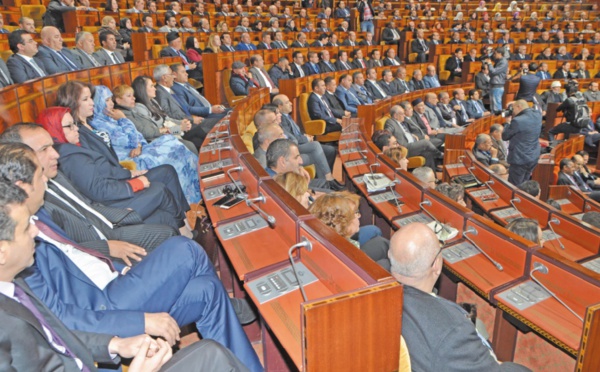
(129, 144)
(125, 30)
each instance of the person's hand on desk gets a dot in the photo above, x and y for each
(162, 325)
(125, 251)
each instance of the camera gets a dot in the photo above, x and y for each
(508, 112)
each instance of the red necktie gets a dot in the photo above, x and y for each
(59, 238)
(426, 122)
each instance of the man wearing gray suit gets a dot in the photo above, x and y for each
(21, 65)
(114, 232)
(439, 334)
(52, 55)
(84, 50)
(108, 54)
(5, 79)
(403, 130)
(260, 74)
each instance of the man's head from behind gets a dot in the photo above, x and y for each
(425, 175)
(283, 156)
(415, 257)
(19, 166)
(531, 187)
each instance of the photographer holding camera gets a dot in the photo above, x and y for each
(576, 112)
(523, 131)
(498, 73)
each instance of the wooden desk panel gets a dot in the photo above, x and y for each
(580, 240)
(532, 208)
(446, 210)
(576, 200)
(10, 112)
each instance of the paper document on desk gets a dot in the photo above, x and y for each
(444, 232)
(376, 182)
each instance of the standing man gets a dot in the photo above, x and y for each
(498, 73)
(523, 132)
(366, 15)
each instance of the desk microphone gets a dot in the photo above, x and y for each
(461, 158)
(427, 202)
(513, 201)
(470, 170)
(555, 221)
(391, 186)
(472, 230)
(543, 269)
(487, 184)
(239, 168)
(219, 149)
(219, 132)
(253, 203)
(308, 246)
(345, 130)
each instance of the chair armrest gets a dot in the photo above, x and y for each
(314, 127)
(415, 162)
(312, 171)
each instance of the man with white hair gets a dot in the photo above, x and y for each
(439, 334)
(84, 50)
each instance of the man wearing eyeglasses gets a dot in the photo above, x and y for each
(438, 333)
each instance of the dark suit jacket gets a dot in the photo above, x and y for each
(103, 58)
(4, 68)
(472, 110)
(563, 180)
(389, 89)
(26, 348)
(330, 67)
(21, 70)
(171, 105)
(340, 67)
(54, 14)
(561, 74)
(262, 45)
(318, 111)
(310, 69)
(414, 84)
(356, 64)
(388, 35)
(297, 44)
(239, 85)
(374, 63)
(146, 29)
(399, 87)
(226, 48)
(578, 74)
(483, 157)
(276, 73)
(373, 90)
(53, 63)
(388, 62)
(276, 45)
(528, 87)
(452, 64)
(296, 71)
(334, 104)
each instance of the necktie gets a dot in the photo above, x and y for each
(268, 46)
(479, 111)
(362, 63)
(362, 89)
(426, 122)
(183, 58)
(379, 89)
(327, 107)
(295, 129)
(463, 111)
(92, 60)
(195, 93)
(315, 68)
(581, 183)
(300, 70)
(407, 134)
(37, 68)
(56, 339)
(46, 230)
(114, 59)
(425, 48)
(346, 66)
(71, 65)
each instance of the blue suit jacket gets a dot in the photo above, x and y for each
(194, 105)
(318, 111)
(472, 110)
(349, 100)
(430, 82)
(21, 70)
(52, 62)
(242, 46)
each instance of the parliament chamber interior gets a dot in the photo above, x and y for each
(371, 98)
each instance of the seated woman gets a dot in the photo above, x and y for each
(454, 191)
(94, 168)
(129, 144)
(148, 117)
(296, 185)
(398, 155)
(125, 30)
(214, 44)
(339, 210)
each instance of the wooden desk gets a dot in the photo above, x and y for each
(571, 201)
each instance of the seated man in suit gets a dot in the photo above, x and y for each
(177, 278)
(390, 33)
(438, 333)
(543, 71)
(334, 103)
(84, 50)
(280, 70)
(432, 109)
(174, 50)
(194, 102)
(416, 83)
(521, 54)
(311, 67)
(114, 232)
(400, 84)
(419, 46)
(357, 59)
(484, 150)
(52, 55)
(592, 94)
(404, 132)
(321, 41)
(428, 122)
(170, 24)
(374, 59)
(342, 62)
(318, 109)
(266, 134)
(474, 105)
(21, 65)
(391, 59)
(34, 327)
(387, 83)
(226, 43)
(279, 42)
(345, 94)
(147, 24)
(563, 55)
(260, 74)
(431, 79)
(564, 72)
(454, 64)
(245, 43)
(108, 54)
(241, 80)
(325, 65)
(358, 88)
(300, 41)
(373, 86)
(580, 72)
(296, 69)
(447, 109)
(568, 176)
(496, 131)
(350, 40)
(554, 94)
(368, 40)
(459, 106)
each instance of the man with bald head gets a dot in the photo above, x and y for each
(52, 55)
(439, 334)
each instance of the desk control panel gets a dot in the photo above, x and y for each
(459, 252)
(562, 201)
(241, 227)
(214, 146)
(350, 150)
(548, 235)
(419, 217)
(483, 193)
(454, 166)
(217, 191)
(207, 167)
(525, 295)
(350, 140)
(280, 282)
(385, 196)
(355, 163)
(593, 265)
(579, 216)
(507, 214)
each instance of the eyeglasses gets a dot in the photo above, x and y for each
(436, 257)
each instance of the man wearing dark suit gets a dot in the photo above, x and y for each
(279, 43)
(342, 63)
(5, 79)
(454, 63)
(496, 131)
(438, 333)
(111, 303)
(432, 109)
(373, 86)
(390, 34)
(346, 96)
(484, 151)
(474, 105)
(459, 106)
(521, 54)
(416, 83)
(420, 47)
(241, 81)
(387, 83)
(322, 39)
(265, 42)
(404, 132)
(368, 40)
(428, 123)
(21, 65)
(84, 42)
(296, 66)
(350, 40)
(446, 109)
(108, 54)
(563, 72)
(325, 65)
(318, 109)
(333, 102)
(400, 84)
(391, 59)
(147, 25)
(570, 177)
(528, 84)
(374, 59)
(311, 67)
(359, 90)
(581, 72)
(300, 41)
(280, 70)
(52, 55)
(357, 59)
